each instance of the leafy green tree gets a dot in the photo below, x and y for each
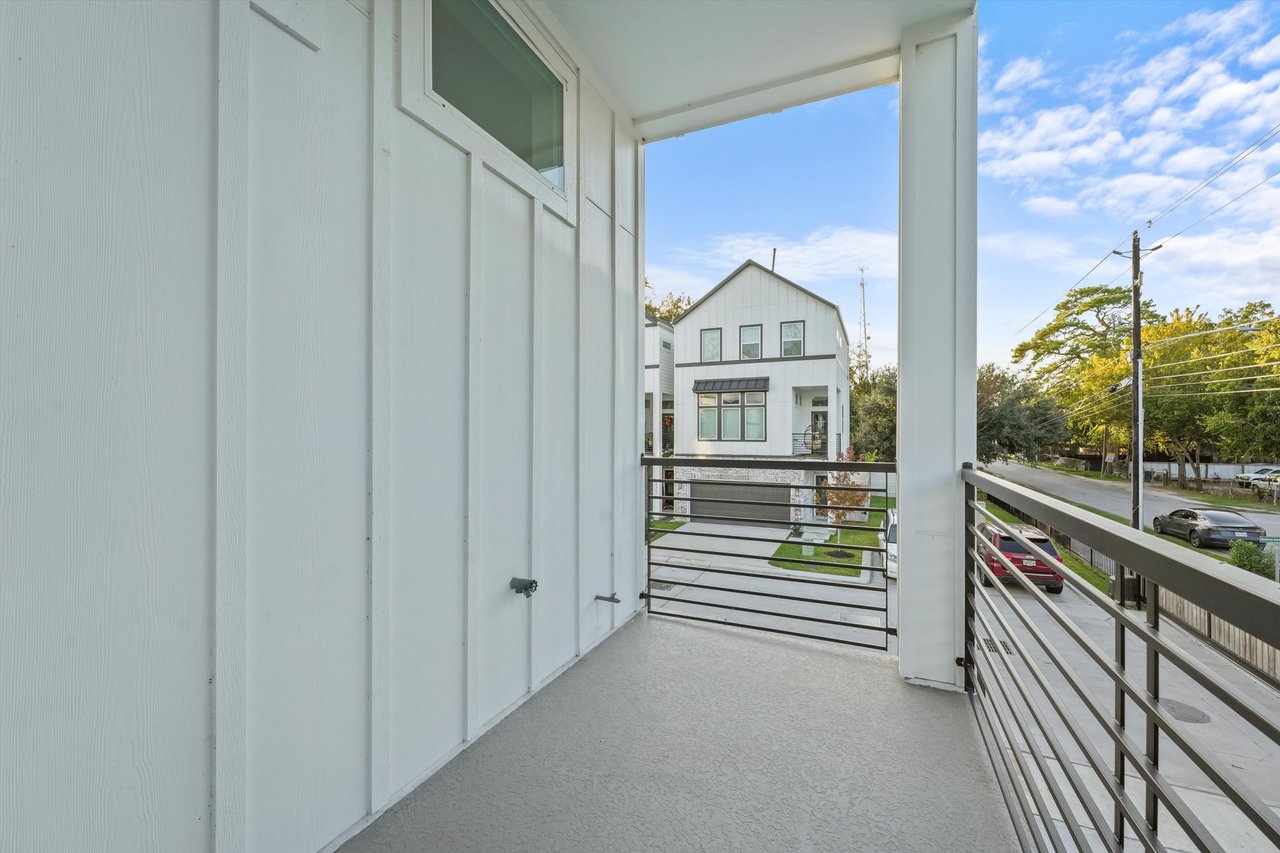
(669, 307)
(1013, 419)
(873, 414)
(1090, 321)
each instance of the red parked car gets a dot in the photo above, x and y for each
(1033, 569)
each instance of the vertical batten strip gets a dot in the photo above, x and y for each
(537, 459)
(231, 443)
(471, 691)
(613, 355)
(381, 97)
(642, 568)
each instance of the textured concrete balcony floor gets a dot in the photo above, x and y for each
(677, 736)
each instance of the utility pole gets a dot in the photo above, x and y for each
(1138, 438)
(862, 353)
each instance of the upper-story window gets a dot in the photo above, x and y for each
(483, 67)
(793, 339)
(749, 342)
(710, 344)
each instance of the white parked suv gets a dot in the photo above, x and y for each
(1248, 479)
(889, 542)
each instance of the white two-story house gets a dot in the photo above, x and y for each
(762, 369)
(659, 385)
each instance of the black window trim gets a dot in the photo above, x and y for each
(741, 406)
(759, 343)
(803, 335)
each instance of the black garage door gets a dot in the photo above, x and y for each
(712, 499)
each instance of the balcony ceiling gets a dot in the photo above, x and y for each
(679, 66)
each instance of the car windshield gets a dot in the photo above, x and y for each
(1013, 546)
(1217, 516)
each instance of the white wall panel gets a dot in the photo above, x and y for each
(555, 432)
(430, 246)
(628, 413)
(596, 440)
(106, 426)
(500, 499)
(308, 404)
(624, 155)
(597, 148)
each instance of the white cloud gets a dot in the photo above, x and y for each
(1046, 205)
(669, 279)
(1195, 161)
(1266, 55)
(1021, 74)
(1140, 100)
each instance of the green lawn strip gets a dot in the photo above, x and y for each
(1087, 573)
(1066, 469)
(1225, 501)
(850, 565)
(663, 525)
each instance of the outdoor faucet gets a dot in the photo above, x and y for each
(525, 586)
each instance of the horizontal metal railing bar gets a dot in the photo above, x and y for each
(1241, 795)
(669, 614)
(999, 771)
(762, 575)
(1135, 753)
(1252, 601)
(799, 560)
(1069, 770)
(816, 619)
(1041, 807)
(756, 522)
(759, 484)
(787, 464)
(989, 717)
(820, 507)
(712, 535)
(1090, 752)
(825, 602)
(1197, 671)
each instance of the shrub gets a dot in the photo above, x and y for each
(1252, 558)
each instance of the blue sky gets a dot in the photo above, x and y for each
(1093, 118)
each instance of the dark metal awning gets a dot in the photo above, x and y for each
(754, 383)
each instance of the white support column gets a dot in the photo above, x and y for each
(937, 349)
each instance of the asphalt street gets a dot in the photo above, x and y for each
(1111, 496)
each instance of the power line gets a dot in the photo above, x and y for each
(1220, 209)
(1216, 393)
(1105, 258)
(1215, 370)
(1270, 377)
(1209, 357)
(1217, 173)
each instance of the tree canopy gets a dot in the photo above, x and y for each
(667, 308)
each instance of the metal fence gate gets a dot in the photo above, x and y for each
(786, 546)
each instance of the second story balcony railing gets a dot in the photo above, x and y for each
(809, 443)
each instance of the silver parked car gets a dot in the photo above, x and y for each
(1205, 526)
(1247, 479)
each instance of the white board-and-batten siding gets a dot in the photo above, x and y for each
(291, 384)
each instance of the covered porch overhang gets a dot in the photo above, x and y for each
(677, 68)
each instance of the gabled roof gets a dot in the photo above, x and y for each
(750, 263)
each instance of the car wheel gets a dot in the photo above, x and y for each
(1055, 589)
(1155, 525)
(1195, 538)
(986, 581)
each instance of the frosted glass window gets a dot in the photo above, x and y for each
(486, 71)
(731, 424)
(707, 424)
(710, 344)
(792, 339)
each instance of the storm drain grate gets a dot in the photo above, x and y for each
(1183, 712)
(994, 649)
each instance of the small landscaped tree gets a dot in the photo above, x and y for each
(845, 501)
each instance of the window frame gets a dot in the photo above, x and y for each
(419, 100)
(782, 341)
(759, 327)
(741, 407)
(702, 350)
